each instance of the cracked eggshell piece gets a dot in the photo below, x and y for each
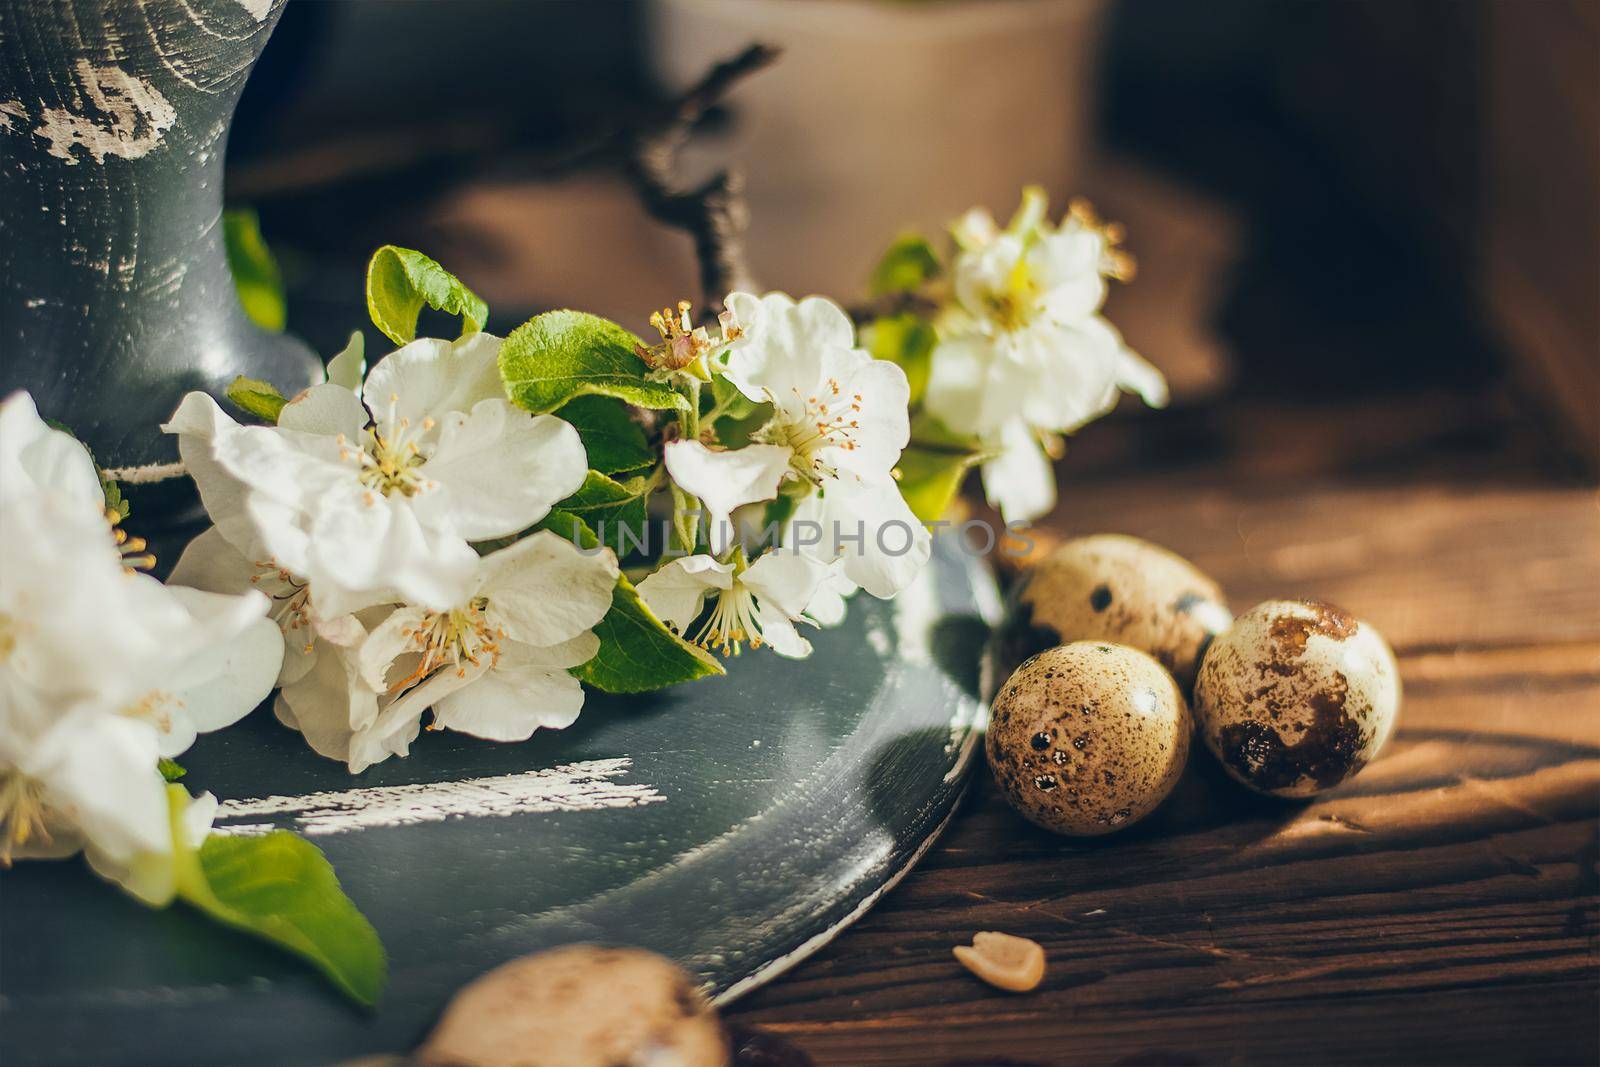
(1088, 738)
(1005, 961)
(1111, 587)
(1297, 697)
(579, 1006)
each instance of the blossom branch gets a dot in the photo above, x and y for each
(713, 213)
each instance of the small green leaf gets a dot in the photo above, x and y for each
(400, 281)
(617, 504)
(256, 397)
(908, 341)
(932, 466)
(616, 444)
(281, 888)
(171, 770)
(555, 357)
(909, 263)
(637, 651)
(930, 479)
(255, 271)
(117, 507)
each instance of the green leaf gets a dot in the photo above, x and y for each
(907, 340)
(553, 358)
(171, 770)
(727, 401)
(617, 504)
(400, 281)
(909, 263)
(933, 464)
(255, 271)
(929, 479)
(257, 397)
(615, 443)
(281, 888)
(117, 507)
(637, 651)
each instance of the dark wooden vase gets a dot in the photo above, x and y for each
(115, 294)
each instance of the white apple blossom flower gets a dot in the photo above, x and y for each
(375, 498)
(840, 420)
(1024, 354)
(758, 603)
(496, 664)
(102, 669)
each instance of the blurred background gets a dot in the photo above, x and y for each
(1368, 233)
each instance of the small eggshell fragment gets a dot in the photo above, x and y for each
(579, 1006)
(1297, 697)
(1111, 587)
(1088, 738)
(1005, 961)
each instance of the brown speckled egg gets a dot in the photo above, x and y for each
(1111, 587)
(579, 1006)
(1297, 697)
(1088, 738)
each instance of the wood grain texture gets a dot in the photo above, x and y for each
(1442, 907)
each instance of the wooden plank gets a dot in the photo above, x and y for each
(1444, 906)
(1439, 908)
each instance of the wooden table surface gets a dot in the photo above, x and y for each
(1440, 908)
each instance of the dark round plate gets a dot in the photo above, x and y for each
(735, 824)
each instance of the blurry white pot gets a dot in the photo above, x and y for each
(885, 115)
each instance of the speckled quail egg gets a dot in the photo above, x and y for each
(1111, 587)
(1297, 697)
(579, 1006)
(1088, 738)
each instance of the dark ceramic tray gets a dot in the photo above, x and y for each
(735, 825)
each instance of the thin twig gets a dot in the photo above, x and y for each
(714, 213)
(146, 475)
(892, 304)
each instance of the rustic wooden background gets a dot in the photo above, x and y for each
(1439, 908)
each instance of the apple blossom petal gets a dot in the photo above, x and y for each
(828, 603)
(100, 770)
(386, 643)
(197, 423)
(1020, 480)
(677, 591)
(221, 683)
(873, 404)
(328, 705)
(779, 634)
(34, 456)
(778, 357)
(510, 704)
(725, 479)
(970, 389)
(1066, 266)
(868, 527)
(350, 365)
(574, 653)
(1137, 375)
(429, 378)
(546, 590)
(499, 470)
(1074, 380)
(329, 410)
(194, 824)
(785, 579)
(361, 546)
